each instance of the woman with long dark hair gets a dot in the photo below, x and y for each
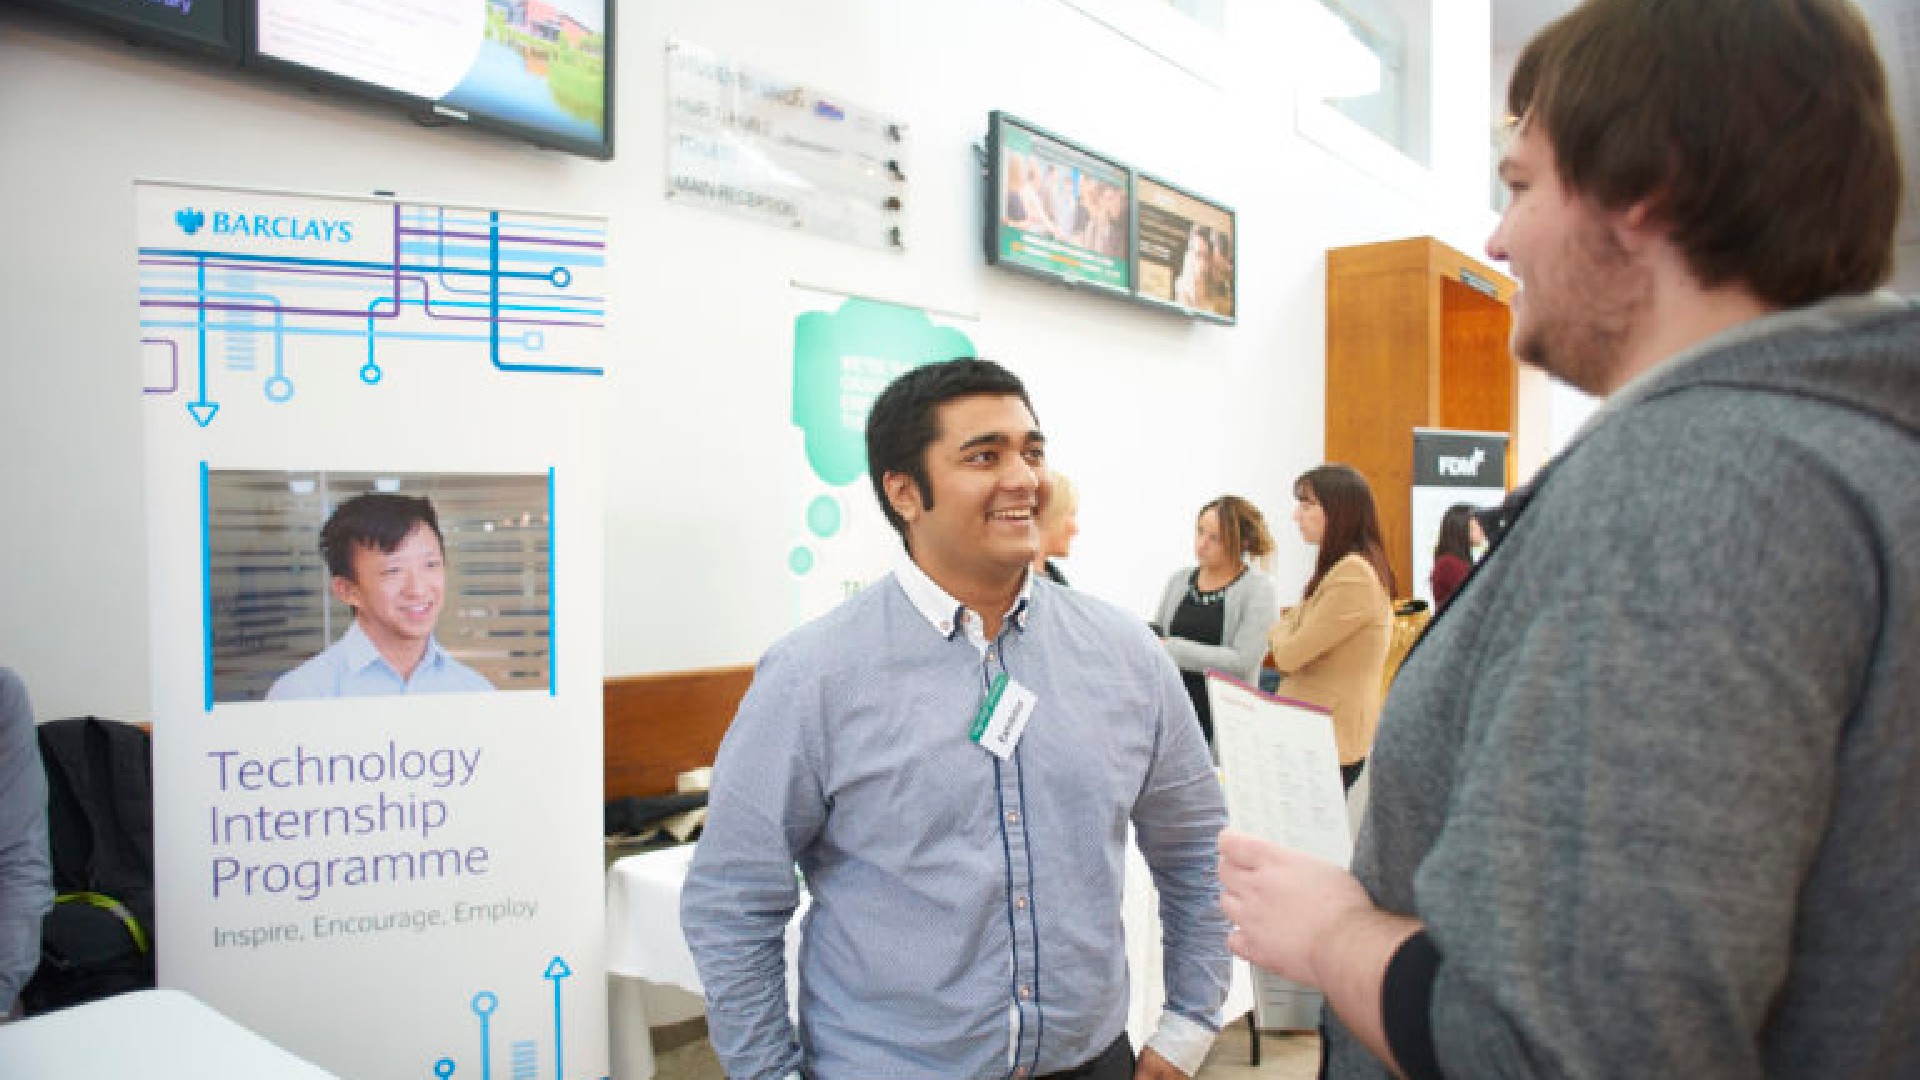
(1453, 554)
(1331, 649)
(1214, 614)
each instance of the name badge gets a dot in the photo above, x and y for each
(1002, 717)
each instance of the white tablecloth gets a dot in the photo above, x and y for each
(643, 918)
(645, 950)
(151, 1034)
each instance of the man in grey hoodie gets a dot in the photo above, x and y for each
(1642, 799)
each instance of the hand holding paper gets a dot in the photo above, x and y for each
(1283, 903)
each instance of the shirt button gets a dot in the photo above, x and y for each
(1026, 993)
(1020, 902)
(1013, 817)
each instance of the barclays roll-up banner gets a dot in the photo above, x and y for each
(374, 521)
(1451, 467)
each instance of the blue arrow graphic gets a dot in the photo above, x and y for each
(200, 407)
(557, 971)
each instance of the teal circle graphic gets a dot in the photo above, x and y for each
(823, 516)
(800, 560)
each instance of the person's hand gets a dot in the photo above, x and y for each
(1152, 1066)
(1283, 904)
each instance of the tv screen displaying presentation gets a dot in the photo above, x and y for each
(1058, 209)
(538, 69)
(1184, 251)
(204, 26)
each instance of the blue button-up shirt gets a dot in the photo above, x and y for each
(353, 667)
(966, 911)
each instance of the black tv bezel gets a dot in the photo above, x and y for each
(426, 110)
(1133, 218)
(995, 177)
(229, 52)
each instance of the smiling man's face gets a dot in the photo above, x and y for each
(396, 595)
(1581, 293)
(986, 475)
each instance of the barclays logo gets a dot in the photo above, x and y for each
(266, 226)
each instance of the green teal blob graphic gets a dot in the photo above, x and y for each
(841, 362)
(800, 560)
(823, 516)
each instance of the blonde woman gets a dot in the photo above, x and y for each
(1215, 614)
(1058, 526)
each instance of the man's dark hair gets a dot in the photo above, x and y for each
(903, 421)
(375, 519)
(1757, 130)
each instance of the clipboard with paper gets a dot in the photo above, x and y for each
(1281, 769)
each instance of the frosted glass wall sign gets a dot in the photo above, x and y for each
(779, 152)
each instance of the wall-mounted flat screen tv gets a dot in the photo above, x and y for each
(209, 27)
(1057, 209)
(541, 70)
(1184, 250)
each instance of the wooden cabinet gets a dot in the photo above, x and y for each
(1416, 337)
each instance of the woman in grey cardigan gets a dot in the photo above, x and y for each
(1216, 614)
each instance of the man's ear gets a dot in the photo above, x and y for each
(903, 495)
(1640, 225)
(347, 592)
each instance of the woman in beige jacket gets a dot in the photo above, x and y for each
(1332, 647)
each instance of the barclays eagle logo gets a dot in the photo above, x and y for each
(189, 220)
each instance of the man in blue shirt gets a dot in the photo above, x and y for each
(388, 564)
(952, 758)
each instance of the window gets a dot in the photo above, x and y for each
(1208, 13)
(1375, 70)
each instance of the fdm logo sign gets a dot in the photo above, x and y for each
(1464, 464)
(226, 224)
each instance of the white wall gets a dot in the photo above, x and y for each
(1152, 414)
(1906, 264)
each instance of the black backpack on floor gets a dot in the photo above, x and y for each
(98, 939)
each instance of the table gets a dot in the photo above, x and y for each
(652, 979)
(650, 973)
(161, 1034)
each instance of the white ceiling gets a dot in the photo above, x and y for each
(1515, 21)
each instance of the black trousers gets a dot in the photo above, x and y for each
(1113, 1063)
(1351, 773)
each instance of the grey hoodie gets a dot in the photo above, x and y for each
(1652, 781)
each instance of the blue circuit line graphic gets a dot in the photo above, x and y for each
(530, 298)
(523, 1053)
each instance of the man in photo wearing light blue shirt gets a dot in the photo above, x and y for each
(388, 563)
(952, 759)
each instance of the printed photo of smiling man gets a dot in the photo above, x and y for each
(387, 562)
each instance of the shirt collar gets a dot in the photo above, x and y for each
(949, 615)
(361, 653)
